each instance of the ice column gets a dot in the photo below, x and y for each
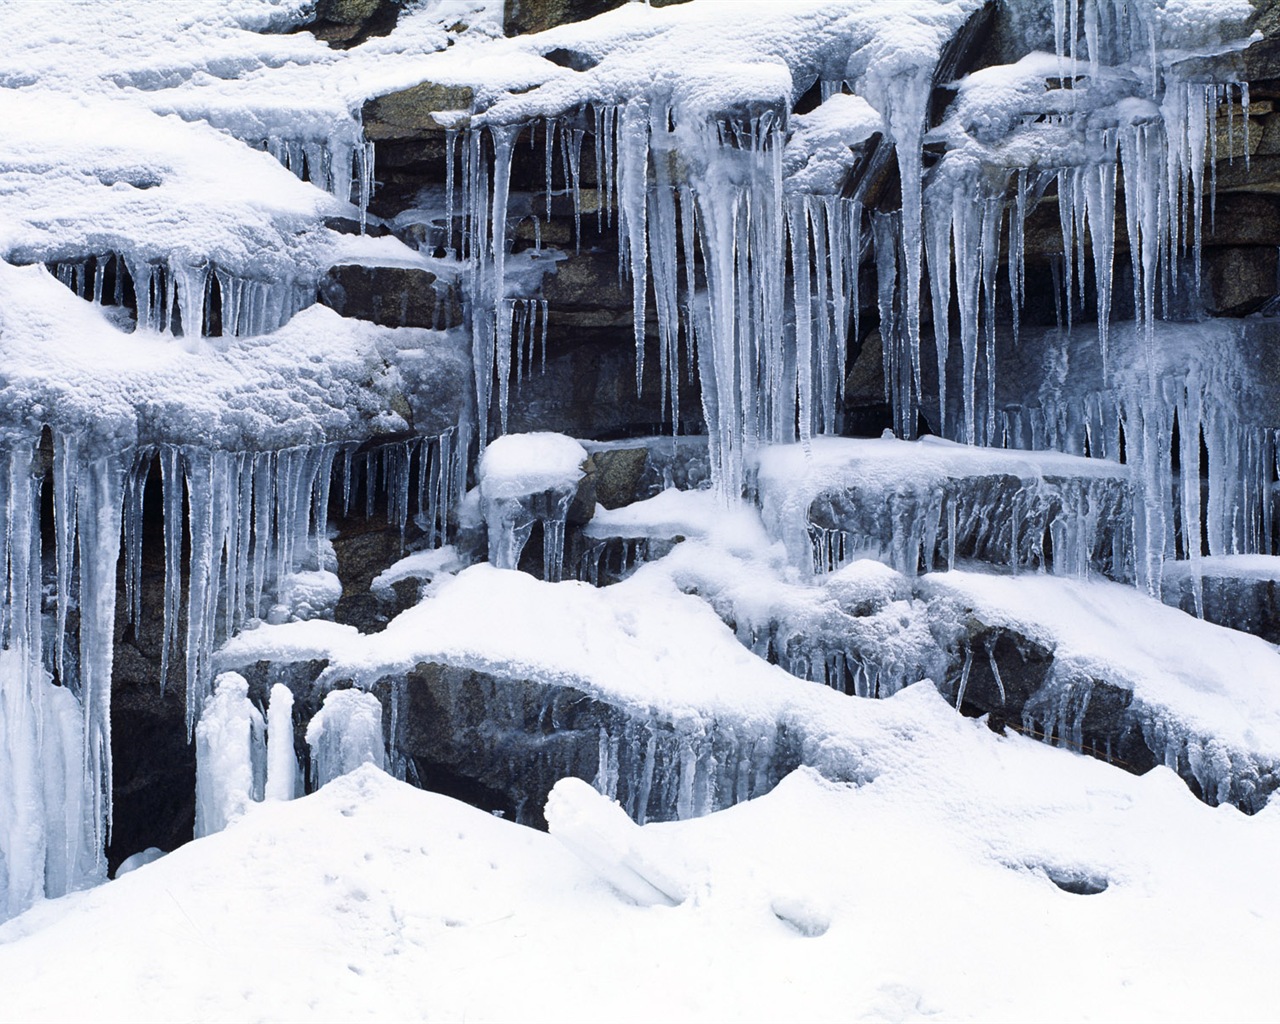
(282, 761)
(344, 734)
(231, 757)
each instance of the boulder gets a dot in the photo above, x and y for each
(346, 23)
(412, 113)
(521, 17)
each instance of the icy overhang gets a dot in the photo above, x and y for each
(321, 377)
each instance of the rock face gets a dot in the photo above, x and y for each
(1008, 678)
(502, 742)
(1239, 280)
(417, 113)
(392, 296)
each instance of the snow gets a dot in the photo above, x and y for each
(818, 154)
(371, 899)
(282, 762)
(421, 565)
(669, 513)
(519, 465)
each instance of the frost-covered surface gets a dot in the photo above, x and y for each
(372, 899)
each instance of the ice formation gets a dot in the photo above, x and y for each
(231, 755)
(164, 222)
(344, 734)
(527, 479)
(282, 761)
(922, 504)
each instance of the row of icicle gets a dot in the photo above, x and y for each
(251, 520)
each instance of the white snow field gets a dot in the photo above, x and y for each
(924, 894)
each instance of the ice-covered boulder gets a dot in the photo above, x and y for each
(919, 505)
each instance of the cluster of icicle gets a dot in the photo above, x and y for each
(770, 277)
(55, 740)
(342, 165)
(175, 296)
(757, 378)
(252, 518)
(1170, 515)
(242, 758)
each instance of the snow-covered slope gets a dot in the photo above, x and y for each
(926, 893)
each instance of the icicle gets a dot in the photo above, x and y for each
(65, 461)
(799, 229)
(99, 498)
(965, 229)
(992, 214)
(135, 484)
(1100, 201)
(633, 187)
(450, 158)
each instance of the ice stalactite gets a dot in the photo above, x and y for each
(173, 297)
(341, 164)
(682, 189)
(254, 520)
(422, 479)
(55, 790)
